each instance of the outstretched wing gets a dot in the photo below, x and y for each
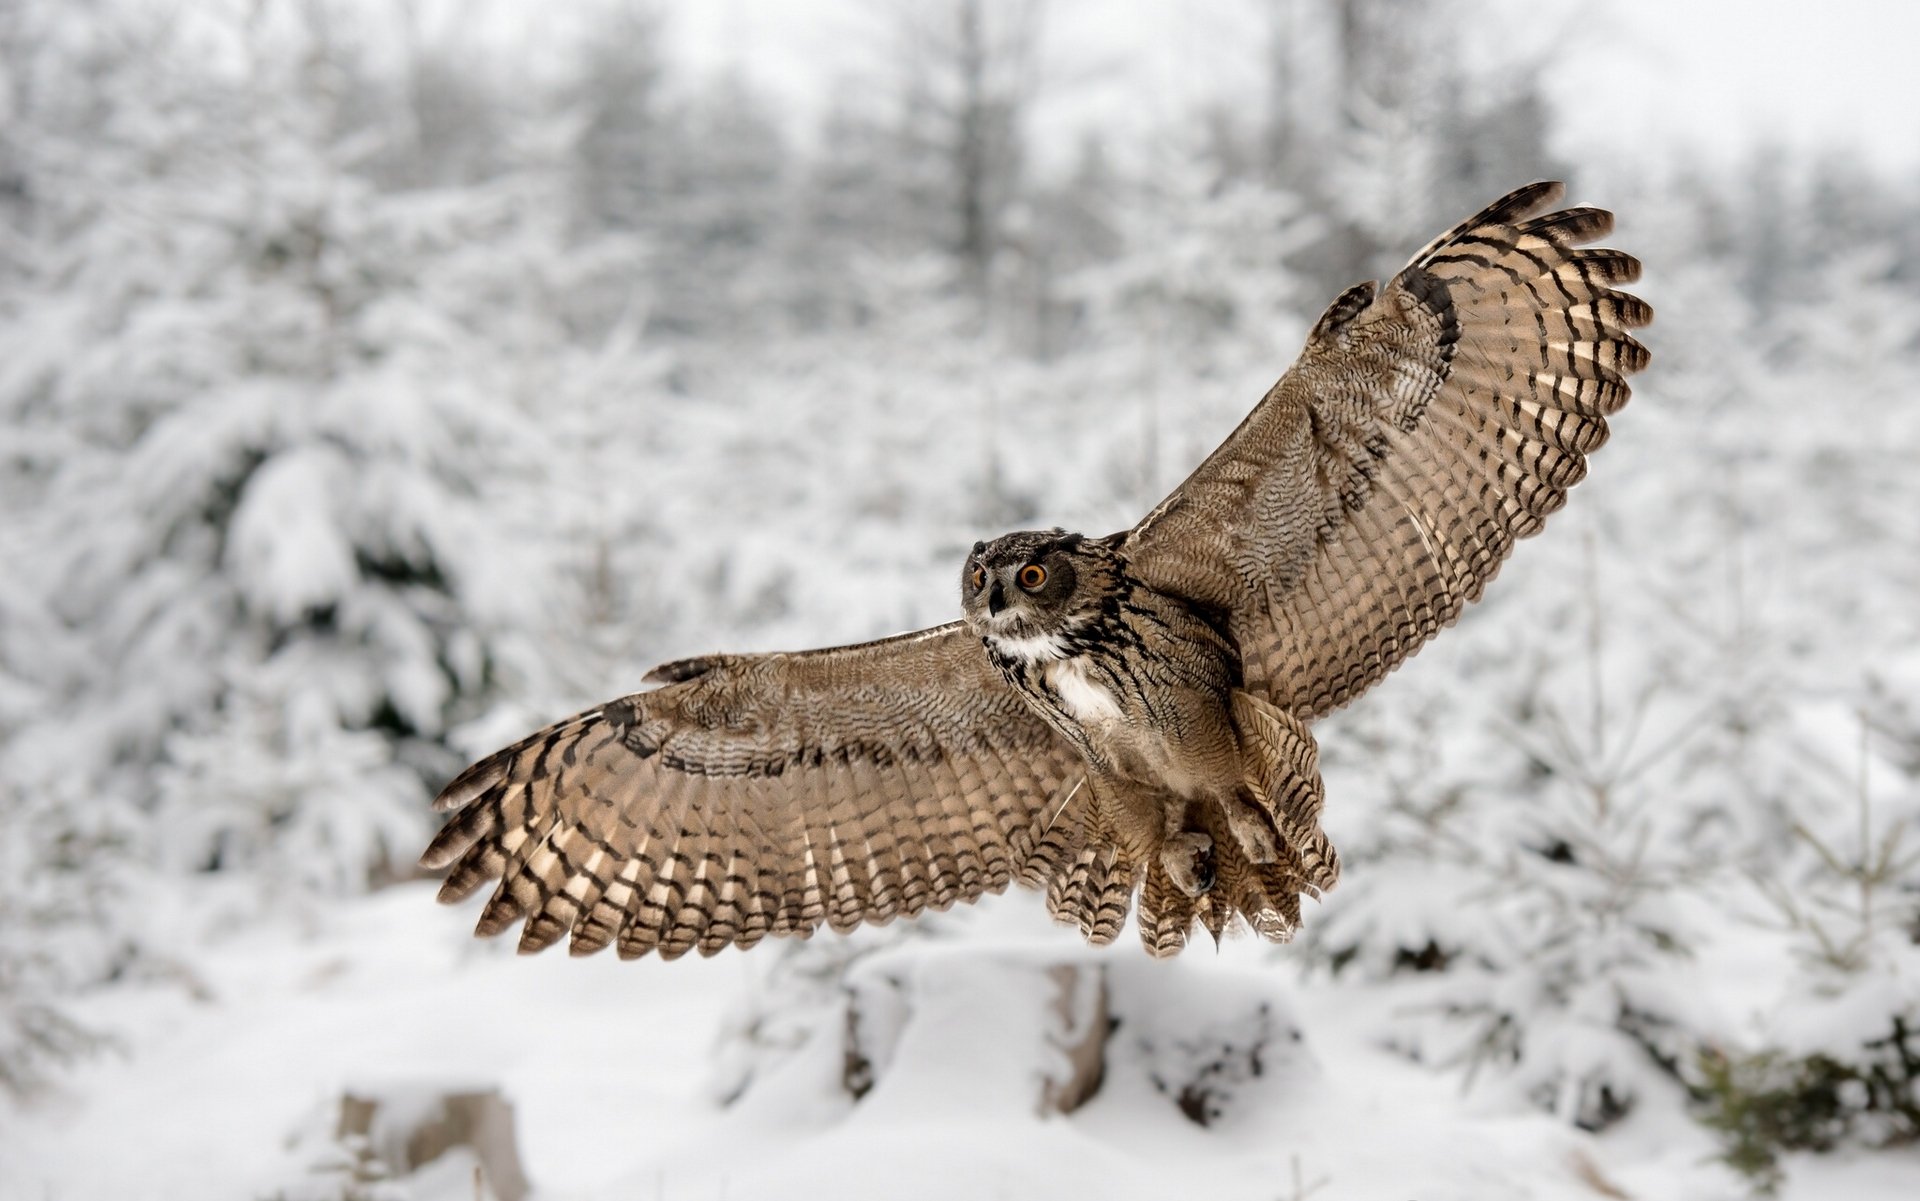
(762, 794)
(1424, 429)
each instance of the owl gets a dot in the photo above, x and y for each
(1111, 718)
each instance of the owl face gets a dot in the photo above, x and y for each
(1030, 587)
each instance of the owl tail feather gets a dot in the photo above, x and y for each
(1094, 893)
(1089, 879)
(1166, 913)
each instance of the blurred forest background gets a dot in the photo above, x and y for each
(374, 388)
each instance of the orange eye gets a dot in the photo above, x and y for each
(1032, 576)
(978, 577)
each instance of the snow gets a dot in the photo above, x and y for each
(608, 1066)
(608, 1063)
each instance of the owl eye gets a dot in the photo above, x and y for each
(1032, 576)
(977, 577)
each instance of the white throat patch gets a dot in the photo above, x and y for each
(1035, 648)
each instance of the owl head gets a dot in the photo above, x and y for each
(1028, 590)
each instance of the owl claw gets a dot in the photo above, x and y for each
(1188, 859)
(1203, 872)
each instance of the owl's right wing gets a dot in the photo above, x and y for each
(1424, 429)
(762, 794)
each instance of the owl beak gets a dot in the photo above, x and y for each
(996, 599)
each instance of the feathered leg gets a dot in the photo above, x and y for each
(1281, 766)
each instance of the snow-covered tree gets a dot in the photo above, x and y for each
(285, 449)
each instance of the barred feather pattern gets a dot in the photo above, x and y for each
(765, 794)
(1094, 893)
(1095, 887)
(1283, 774)
(1427, 427)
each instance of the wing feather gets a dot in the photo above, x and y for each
(1427, 427)
(756, 795)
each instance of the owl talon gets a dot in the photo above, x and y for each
(1188, 859)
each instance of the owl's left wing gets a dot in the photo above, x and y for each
(763, 794)
(1425, 428)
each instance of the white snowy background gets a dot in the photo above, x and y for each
(380, 379)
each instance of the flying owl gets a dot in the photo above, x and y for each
(1113, 716)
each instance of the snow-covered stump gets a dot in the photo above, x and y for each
(926, 1026)
(971, 1026)
(402, 1130)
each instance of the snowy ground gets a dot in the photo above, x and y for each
(610, 1067)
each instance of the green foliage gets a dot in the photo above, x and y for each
(1766, 1104)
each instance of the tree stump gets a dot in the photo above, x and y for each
(407, 1128)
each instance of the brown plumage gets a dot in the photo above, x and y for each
(1112, 715)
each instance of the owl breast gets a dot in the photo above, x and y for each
(1056, 675)
(1140, 689)
(1085, 700)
